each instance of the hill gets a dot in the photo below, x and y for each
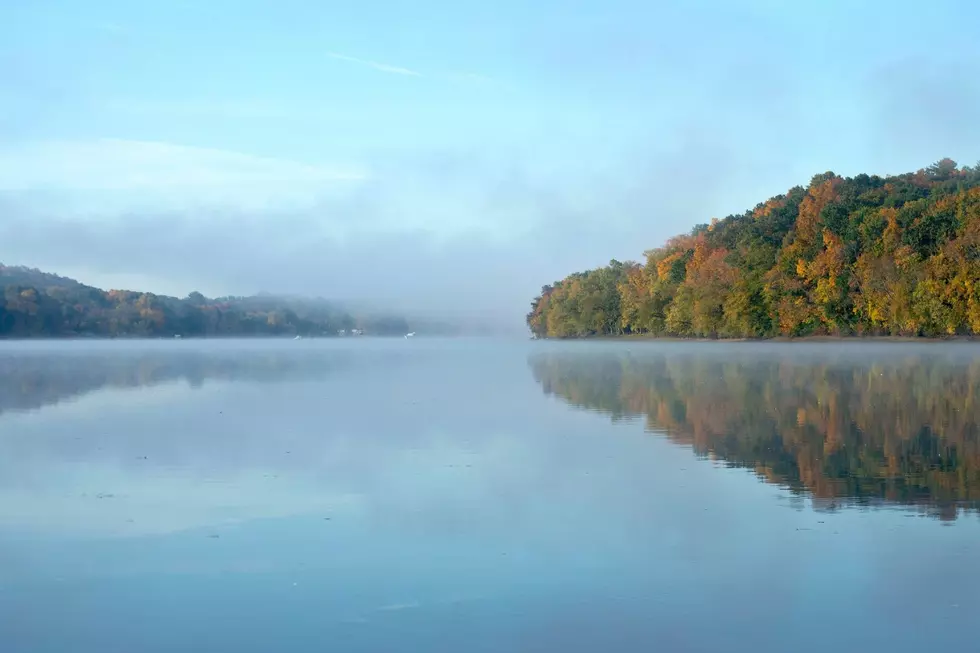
(864, 255)
(39, 304)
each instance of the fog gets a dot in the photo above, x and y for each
(446, 167)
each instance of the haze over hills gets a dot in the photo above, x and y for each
(863, 255)
(39, 304)
(430, 169)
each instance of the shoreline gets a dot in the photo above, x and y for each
(781, 339)
(100, 338)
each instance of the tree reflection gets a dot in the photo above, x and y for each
(34, 380)
(844, 429)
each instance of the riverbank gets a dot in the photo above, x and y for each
(643, 337)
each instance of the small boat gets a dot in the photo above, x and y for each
(298, 338)
(409, 335)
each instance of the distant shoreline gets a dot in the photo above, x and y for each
(782, 339)
(244, 336)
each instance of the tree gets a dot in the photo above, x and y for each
(872, 255)
(37, 304)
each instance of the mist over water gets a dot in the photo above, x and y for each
(445, 495)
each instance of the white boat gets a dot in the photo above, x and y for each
(409, 335)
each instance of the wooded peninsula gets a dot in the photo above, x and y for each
(39, 304)
(855, 256)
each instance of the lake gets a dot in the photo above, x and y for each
(372, 495)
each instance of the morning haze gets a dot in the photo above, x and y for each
(447, 161)
(235, 239)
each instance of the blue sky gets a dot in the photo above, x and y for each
(406, 153)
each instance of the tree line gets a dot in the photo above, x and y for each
(864, 255)
(38, 304)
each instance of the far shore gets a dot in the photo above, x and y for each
(244, 336)
(784, 339)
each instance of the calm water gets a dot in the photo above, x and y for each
(446, 496)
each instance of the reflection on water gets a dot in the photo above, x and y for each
(378, 495)
(47, 375)
(138, 438)
(856, 424)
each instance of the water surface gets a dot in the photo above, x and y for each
(470, 495)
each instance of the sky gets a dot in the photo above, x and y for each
(444, 158)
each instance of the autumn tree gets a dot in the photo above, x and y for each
(867, 254)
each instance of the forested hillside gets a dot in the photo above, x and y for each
(38, 304)
(862, 255)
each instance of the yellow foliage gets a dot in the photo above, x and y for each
(769, 206)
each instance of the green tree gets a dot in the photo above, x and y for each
(866, 254)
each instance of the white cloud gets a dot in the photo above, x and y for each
(113, 164)
(383, 67)
(454, 77)
(118, 176)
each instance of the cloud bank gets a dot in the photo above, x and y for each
(455, 235)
